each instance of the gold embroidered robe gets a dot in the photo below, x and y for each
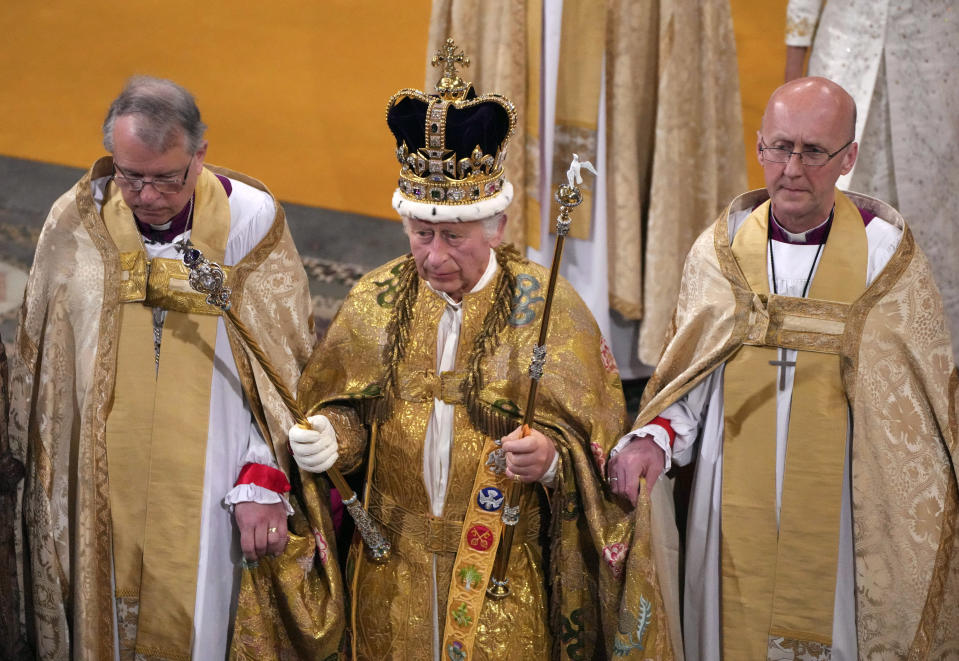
(900, 380)
(567, 567)
(62, 379)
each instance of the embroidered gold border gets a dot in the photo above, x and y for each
(255, 258)
(238, 274)
(133, 276)
(953, 395)
(103, 380)
(743, 313)
(168, 286)
(925, 632)
(471, 599)
(856, 319)
(437, 535)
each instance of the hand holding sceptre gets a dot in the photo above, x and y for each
(569, 197)
(208, 278)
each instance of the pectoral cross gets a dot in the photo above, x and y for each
(782, 362)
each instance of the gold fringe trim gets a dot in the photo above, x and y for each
(398, 334)
(484, 418)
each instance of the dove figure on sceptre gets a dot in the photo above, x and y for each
(573, 176)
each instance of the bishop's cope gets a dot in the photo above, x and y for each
(419, 386)
(155, 449)
(809, 377)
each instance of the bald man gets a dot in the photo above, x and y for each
(809, 377)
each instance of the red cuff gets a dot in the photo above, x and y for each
(264, 476)
(664, 423)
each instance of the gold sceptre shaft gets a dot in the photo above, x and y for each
(208, 278)
(569, 197)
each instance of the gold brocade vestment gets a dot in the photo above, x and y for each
(900, 381)
(63, 377)
(377, 365)
(157, 429)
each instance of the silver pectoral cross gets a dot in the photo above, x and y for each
(781, 363)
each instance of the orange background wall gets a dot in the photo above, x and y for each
(294, 93)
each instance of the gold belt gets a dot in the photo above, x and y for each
(437, 534)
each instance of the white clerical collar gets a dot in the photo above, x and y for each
(491, 267)
(813, 236)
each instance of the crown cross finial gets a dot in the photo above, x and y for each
(450, 85)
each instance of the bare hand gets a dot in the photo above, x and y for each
(262, 529)
(528, 457)
(641, 458)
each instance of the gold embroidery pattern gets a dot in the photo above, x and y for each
(579, 405)
(168, 287)
(800, 27)
(801, 650)
(900, 379)
(133, 276)
(912, 478)
(103, 381)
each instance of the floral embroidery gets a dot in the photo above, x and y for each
(609, 362)
(321, 546)
(461, 614)
(615, 557)
(781, 649)
(599, 456)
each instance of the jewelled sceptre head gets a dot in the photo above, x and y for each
(569, 197)
(208, 278)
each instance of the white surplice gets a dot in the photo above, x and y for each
(233, 440)
(698, 416)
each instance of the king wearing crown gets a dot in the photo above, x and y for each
(420, 383)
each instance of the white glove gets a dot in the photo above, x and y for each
(314, 449)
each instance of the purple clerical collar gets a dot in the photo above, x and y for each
(177, 225)
(814, 237)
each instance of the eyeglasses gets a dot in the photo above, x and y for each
(811, 157)
(162, 185)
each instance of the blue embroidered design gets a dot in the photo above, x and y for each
(489, 499)
(630, 625)
(523, 300)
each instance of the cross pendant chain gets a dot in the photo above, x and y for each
(781, 363)
(158, 316)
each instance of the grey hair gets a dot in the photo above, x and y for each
(170, 112)
(490, 224)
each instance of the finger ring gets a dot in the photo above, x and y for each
(613, 479)
(271, 531)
